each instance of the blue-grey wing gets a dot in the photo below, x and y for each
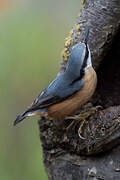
(55, 93)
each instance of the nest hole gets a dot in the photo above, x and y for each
(108, 88)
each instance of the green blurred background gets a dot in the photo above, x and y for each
(32, 35)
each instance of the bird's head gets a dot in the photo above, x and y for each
(80, 58)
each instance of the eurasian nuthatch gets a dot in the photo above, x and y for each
(70, 90)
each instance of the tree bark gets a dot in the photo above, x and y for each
(66, 156)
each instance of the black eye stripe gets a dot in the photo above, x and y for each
(82, 71)
(86, 57)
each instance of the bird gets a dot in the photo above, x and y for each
(70, 90)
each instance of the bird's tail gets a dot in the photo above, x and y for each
(22, 116)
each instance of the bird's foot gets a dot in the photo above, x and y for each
(82, 117)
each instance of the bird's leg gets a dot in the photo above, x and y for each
(75, 120)
(82, 117)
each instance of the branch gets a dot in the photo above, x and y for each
(66, 156)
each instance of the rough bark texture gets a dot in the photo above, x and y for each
(66, 156)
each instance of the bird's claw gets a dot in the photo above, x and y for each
(80, 129)
(75, 119)
(81, 137)
(82, 116)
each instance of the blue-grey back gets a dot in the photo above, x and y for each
(61, 87)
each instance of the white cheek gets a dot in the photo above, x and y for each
(89, 63)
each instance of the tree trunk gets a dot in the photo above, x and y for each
(66, 156)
